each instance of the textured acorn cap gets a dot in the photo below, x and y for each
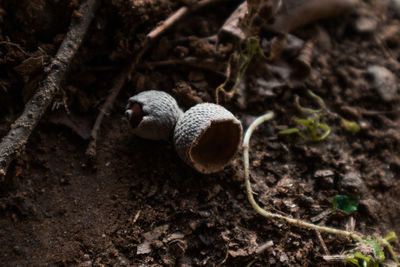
(207, 137)
(153, 114)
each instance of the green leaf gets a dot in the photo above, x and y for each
(304, 109)
(305, 122)
(365, 260)
(344, 203)
(312, 126)
(350, 126)
(391, 237)
(380, 255)
(353, 260)
(325, 134)
(289, 131)
(317, 98)
(253, 47)
(385, 241)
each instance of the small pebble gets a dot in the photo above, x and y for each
(143, 248)
(371, 207)
(324, 178)
(366, 25)
(384, 82)
(353, 184)
(323, 173)
(283, 257)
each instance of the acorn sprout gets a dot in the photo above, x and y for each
(153, 114)
(207, 137)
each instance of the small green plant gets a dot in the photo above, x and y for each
(239, 61)
(350, 126)
(313, 121)
(312, 125)
(344, 203)
(257, 15)
(371, 253)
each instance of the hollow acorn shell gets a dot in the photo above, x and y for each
(161, 112)
(207, 137)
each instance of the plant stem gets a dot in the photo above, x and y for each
(267, 214)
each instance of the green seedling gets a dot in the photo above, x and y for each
(350, 126)
(239, 61)
(344, 203)
(371, 253)
(361, 260)
(312, 123)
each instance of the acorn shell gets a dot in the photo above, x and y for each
(161, 112)
(207, 137)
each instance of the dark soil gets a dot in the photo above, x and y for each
(137, 203)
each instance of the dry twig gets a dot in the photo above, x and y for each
(13, 143)
(177, 16)
(118, 84)
(335, 258)
(322, 242)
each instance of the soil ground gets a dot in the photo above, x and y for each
(137, 203)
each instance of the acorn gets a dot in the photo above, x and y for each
(153, 114)
(207, 137)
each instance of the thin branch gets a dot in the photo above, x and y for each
(108, 104)
(322, 242)
(335, 258)
(177, 16)
(269, 215)
(169, 22)
(13, 143)
(118, 84)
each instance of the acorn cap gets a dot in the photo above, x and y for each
(207, 137)
(153, 114)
